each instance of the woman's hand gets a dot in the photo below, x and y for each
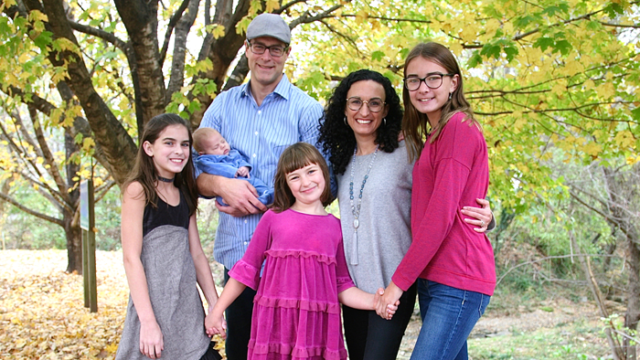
(390, 309)
(151, 343)
(389, 299)
(481, 216)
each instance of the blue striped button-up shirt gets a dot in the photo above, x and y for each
(261, 133)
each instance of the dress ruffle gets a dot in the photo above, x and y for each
(322, 258)
(258, 351)
(307, 305)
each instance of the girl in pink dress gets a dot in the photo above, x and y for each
(296, 311)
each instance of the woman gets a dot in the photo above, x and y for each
(360, 132)
(453, 265)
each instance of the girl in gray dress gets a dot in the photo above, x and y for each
(163, 258)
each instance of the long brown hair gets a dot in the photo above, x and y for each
(144, 170)
(293, 158)
(416, 124)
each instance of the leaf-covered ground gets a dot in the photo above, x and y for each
(42, 313)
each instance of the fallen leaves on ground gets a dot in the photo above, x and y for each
(42, 313)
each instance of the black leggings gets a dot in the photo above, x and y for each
(373, 338)
(211, 354)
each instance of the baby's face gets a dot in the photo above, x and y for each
(216, 145)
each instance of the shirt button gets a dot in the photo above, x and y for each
(245, 243)
(245, 221)
(254, 155)
(259, 112)
(256, 133)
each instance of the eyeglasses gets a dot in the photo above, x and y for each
(432, 80)
(274, 50)
(374, 105)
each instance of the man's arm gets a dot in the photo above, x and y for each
(240, 196)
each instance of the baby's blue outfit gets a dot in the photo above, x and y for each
(227, 166)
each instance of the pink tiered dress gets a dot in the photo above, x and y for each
(296, 313)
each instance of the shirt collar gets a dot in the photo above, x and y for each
(283, 88)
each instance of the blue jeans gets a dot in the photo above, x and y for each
(448, 316)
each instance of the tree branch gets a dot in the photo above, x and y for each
(172, 24)
(99, 33)
(547, 258)
(607, 217)
(39, 215)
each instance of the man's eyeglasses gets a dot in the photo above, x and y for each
(274, 50)
(432, 80)
(355, 103)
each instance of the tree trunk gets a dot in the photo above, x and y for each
(622, 191)
(73, 233)
(633, 295)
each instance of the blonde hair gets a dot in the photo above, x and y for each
(200, 136)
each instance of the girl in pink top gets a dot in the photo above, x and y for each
(296, 311)
(453, 265)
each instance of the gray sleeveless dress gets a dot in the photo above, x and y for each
(171, 278)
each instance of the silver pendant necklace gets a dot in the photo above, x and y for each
(355, 210)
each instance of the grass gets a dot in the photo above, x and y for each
(579, 340)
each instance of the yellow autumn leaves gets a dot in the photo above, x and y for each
(42, 313)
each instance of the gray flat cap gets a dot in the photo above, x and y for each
(271, 25)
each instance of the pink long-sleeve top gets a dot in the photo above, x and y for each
(452, 172)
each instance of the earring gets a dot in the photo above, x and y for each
(450, 96)
(384, 121)
(345, 121)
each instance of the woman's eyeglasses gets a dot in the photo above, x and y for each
(355, 104)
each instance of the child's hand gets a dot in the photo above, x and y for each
(151, 342)
(243, 171)
(391, 308)
(215, 323)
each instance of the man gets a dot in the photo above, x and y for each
(260, 118)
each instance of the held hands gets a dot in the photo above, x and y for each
(151, 342)
(386, 312)
(243, 172)
(387, 299)
(479, 216)
(215, 323)
(241, 196)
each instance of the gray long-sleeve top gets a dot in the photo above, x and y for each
(384, 234)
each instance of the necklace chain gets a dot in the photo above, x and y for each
(355, 210)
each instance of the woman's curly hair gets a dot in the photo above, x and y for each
(337, 138)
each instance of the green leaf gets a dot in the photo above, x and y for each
(43, 40)
(552, 10)
(636, 113)
(474, 60)
(563, 46)
(614, 10)
(543, 43)
(377, 55)
(523, 21)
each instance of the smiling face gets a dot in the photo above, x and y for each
(170, 151)
(266, 69)
(425, 100)
(307, 185)
(364, 122)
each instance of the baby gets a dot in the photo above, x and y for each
(215, 157)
